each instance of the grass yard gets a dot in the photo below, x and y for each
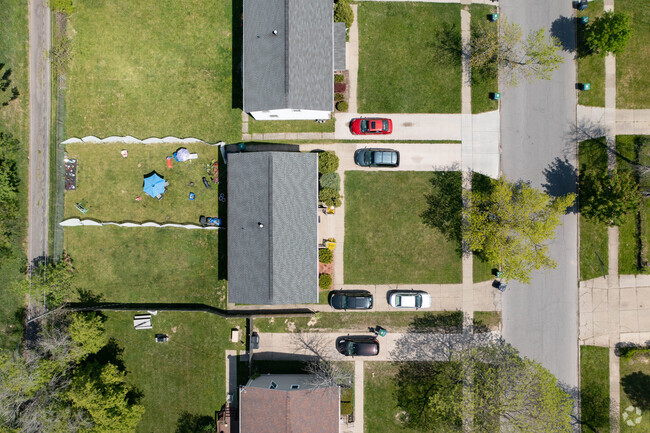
(403, 66)
(594, 392)
(593, 235)
(438, 321)
(482, 269)
(591, 68)
(632, 79)
(380, 407)
(148, 264)
(273, 126)
(14, 119)
(184, 375)
(482, 86)
(110, 184)
(386, 241)
(635, 391)
(486, 321)
(151, 69)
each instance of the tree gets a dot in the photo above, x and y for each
(323, 373)
(328, 162)
(608, 197)
(9, 181)
(610, 32)
(55, 281)
(343, 13)
(87, 331)
(7, 93)
(505, 50)
(510, 224)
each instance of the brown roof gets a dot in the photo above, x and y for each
(297, 411)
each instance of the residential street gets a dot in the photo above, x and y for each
(541, 319)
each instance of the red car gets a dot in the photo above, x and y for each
(363, 126)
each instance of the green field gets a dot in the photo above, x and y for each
(594, 392)
(591, 67)
(483, 85)
(148, 264)
(632, 79)
(184, 375)
(386, 241)
(109, 184)
(635, 391)
(403, 66)
(151, 69)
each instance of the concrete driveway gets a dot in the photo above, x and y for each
(405, 127)
(413, 156)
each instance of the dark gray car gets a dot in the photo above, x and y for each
(351, 300)
(376, 158)
(362, 345)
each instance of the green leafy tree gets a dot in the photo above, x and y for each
(55, 281)
(9, 181)
(610, 32)
(343, 13)
(510, 224)
(87, 331)
(504, 49)
(7, 92)
(608, 197)
(328, 162)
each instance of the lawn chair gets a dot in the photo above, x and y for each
(81, 207)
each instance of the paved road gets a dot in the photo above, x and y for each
(542, 319)
(39, 126)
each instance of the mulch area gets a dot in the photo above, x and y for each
(326, 268)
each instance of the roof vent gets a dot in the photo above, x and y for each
(275, 32)
(260, 225)
(273, 385)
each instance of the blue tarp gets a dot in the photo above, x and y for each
(154, 185)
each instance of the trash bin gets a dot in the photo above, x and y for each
(241, 147)
(381, 331)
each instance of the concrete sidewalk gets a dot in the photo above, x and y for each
(592, 121)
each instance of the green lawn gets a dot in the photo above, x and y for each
(148, 264)
(380, 406)
(403, 67)
(152, 69)
(109, 184)
(635, 390)
(184, 375)
(14, 118)
(591, 68)
(272, 126)
(439, 321)
(632, 79)
(594, 392)
(386, 241)
(482, 85)
(482, 269)
(593, 235)
(485, 321)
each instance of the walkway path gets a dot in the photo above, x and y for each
(627, 122)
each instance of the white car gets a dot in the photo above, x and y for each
(409, 300)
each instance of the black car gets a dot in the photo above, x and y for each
(376, 158)
(351, 300)
(363, 345)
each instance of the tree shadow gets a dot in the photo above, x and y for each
(448, 47)
(237, 46)
(195, 423)
(110, 353)
(564, 29)
(637, 387)
(449, 321)
(445, 205)
(561, 179)
(5, 83)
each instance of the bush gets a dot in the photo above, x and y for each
(329, 197)
(325, 255)
(339, 96)
(64, 6)
(342, 106)
(328, 162)
(338, 78)
(325, 281)
(343, 13)
(331, 181)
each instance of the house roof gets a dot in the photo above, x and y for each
(288, 51)
(276, 263)
(340, 36)
(296, 411)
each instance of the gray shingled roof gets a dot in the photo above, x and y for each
(339, 46)
(278, 263)
(293, 68)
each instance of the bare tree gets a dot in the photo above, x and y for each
(324, 373)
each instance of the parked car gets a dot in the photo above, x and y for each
(363, 345)
(351, 300)
(406, 299)
(365, 126)
(376, 157)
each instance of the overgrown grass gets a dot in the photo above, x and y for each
(591, 68)
(272, 126)
(14, 118)
(403, 66)
(148, 264)
(635, 390)
(483, 85)
(385, 239)
(152, 69)
(380, 395)
(632, 79)
(594, 392)
(109, 184)
(593, 235)
(184, 375)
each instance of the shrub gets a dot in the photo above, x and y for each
(64, 6)
(325, 281)
(331, 180)
(329, 197)
(328, 162)
(342, 106)
(338, 78)
(325, 255)
(339, 96)
(343, 13)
